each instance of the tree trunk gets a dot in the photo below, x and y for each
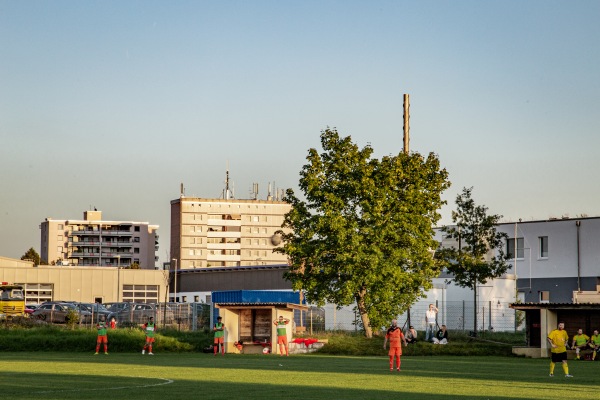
(364, 316)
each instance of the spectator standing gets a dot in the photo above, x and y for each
(430, 322)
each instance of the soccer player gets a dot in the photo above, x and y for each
(149, 329)
(580, 341)
(113, 323)
(394, 334)
(219, 331)
(282, 335)
(558, 340)
(102, 336)
(595, 343)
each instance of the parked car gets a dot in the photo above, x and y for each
(131, 312)
(30, 308)
(58, 312)
(95, 309)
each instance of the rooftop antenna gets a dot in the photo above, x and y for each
(406, 138)
(269, 197)
(181, 190)
(227, 193)
(254, 192)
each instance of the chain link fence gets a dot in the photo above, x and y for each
(456, 315)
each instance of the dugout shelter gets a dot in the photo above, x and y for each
(248, 317)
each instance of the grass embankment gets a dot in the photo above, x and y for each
(28, 336)
(460, 344)
(16, 337)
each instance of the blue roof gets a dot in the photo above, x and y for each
(256, 297)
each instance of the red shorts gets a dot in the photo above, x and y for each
(395, 351)
(218, 340)
(149, 339)
(102, 339)
(282, 340)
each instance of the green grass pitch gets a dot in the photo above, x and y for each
(172, 376)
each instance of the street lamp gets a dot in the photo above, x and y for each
(175, 282)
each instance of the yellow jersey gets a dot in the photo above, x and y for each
(559, 338)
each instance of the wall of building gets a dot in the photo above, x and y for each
(85, 284)
(569, 265)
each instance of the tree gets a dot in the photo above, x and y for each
(31, 255)
(364, 232)
(480, 254)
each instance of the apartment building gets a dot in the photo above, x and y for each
(94, 242)
(225, 232)
(554, 259)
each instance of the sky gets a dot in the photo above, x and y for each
(113, 105)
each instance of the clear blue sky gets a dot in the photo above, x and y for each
(113, 104)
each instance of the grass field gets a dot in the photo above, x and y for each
(201, 376)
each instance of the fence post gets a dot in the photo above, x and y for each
(311, 319)
(490, 314)
(463, 315)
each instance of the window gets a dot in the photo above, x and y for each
(544, 296)
(543, 246)
(136, 228)
(255, 218)
(136, 250)
(60, 227)
(510, 248)
(136, 239)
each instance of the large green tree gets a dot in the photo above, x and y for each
(479, 251)
(32, 255)
(364, 233)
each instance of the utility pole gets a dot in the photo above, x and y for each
(406, 138)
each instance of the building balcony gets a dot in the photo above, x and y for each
(222, 257)
(223, 222)
(224, 246)
(221, 234)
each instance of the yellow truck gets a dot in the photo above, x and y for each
(12, 300)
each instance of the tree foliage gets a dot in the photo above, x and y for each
(479, 254)
(31, 255)
(363, 236)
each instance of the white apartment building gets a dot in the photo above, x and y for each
(226, 232)
(94, 242)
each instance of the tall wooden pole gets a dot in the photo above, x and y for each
(406, 124)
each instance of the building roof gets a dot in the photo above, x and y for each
(231, 269)
(555, 306)
(261, 305)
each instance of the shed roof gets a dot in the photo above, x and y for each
(555, 306)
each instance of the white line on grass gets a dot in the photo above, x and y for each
(168, 381)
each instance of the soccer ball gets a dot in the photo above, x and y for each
(266, 350)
